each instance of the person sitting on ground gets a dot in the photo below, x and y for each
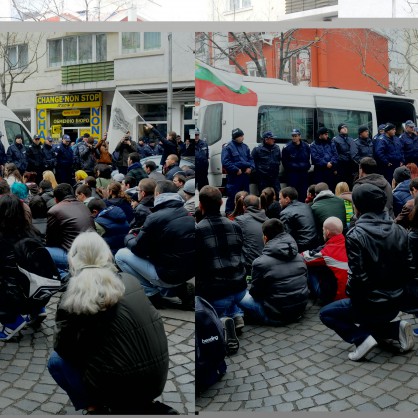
(91, 182)
(12, 174)
(109, 339)
(172, 166)
(66, 220)
(298, 219)
(326, 204)
(21, 191)
(220, 274)
(29, 178)
(151, 169)
(269, 203)
(110, 223)
(116, 197)
(342, 190)
(79, 177)
(310, 195)
(179, 180)
(103, 174)
(129, 186)
(135, 169)
(400, 188)
(251, 226)
(239, 205)
(47, 193)
(146, 189)
(279, 290)
(50, 176)
(83, 194)
(379, 266)
(162, 254)
(403, 218)
(189, 191)
(327, 265)
(39, 212)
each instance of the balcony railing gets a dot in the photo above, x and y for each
(294, 6)
(82, 73)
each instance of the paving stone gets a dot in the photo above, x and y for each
(258, 394)
(385, 401)
(27, 405)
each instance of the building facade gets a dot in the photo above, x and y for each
(72, 90)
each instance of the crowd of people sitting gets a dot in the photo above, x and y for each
(121, 235)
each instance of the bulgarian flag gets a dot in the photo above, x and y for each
(218, 85)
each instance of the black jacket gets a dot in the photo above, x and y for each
(279, 278)
(380, 263)
(16, 154)
(118, 350)
(167, 239)
(142, 211)
(35, 157)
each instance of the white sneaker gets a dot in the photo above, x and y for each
(363, 349)
(406, 336)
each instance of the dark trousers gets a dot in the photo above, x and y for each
(234, 185)
(354, 326)
(299, 181)
(264, 182)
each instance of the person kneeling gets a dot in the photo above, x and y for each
(279, 290)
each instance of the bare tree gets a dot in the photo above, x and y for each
(19, 57)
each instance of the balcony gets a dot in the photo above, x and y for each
(294, 6)
(82, 73)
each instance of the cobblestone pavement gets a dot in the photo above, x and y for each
(304, 367)
(26, 387)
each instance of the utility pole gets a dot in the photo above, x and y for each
(170, 83)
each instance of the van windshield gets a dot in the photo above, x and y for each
(13, 129)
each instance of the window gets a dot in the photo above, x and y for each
(331, 118)
(252, 68)
(239, 4)
(294, 6)
(13, 129)
(17, 56)
(133, 42)
(211, 126)
(73, 50)
(282, 119)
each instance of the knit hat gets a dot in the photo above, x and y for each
(369, 198)
(401, 174)
(341, 125)
(362, 129)
(389, 126)
(190, 187)
(236, 133)
(322, 131)
(118, 177)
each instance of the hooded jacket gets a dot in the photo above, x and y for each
(401, 195)
(136, 171)
(379, 261)
(113, 220)
(279, 278)
(251, 223)
(379, 181)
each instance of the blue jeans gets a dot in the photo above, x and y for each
(354, 326)
(60, 257)
(255, 310)
(70, 379)
(145, 272)
(228, 306)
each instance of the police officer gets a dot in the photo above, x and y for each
(296, 158)
(49, 154)
(65, 159)
(409, 141)
(389, 152)
(267, 157)
(201, 160)
(238, 163)
(16, 154)
(345, 149)
(35, 157)
(363, 145)
(324, 157)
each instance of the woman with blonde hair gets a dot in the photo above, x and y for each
(50, 176)
(342, 190)
(111, 351)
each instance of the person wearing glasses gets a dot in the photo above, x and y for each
(296, 158)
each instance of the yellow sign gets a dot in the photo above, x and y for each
(68, 101)
(74, 112)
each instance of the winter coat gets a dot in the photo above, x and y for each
(201, 153)
(64, 155)
(88, 157)
(251, 223)
(123, 151)
(35, 158)
(323, 152)
(16, 154)
(113, 220)
(3, 156)
(410, 147)
(172, 170)
(362, 148)
(144, 150)
(379, 181)
(117, 350)
(168, 146)
(345, 147)
(401, 195)
(296, 158)
(236, 156)
(142, 210)
(299, 222)
(389, 150)
(49, 157)
(267, 160)
(279, 278)
(380, 263)
(123, 204)
(136, 171)
(220, 267)
(167, 239)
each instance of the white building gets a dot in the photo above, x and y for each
(73, 89)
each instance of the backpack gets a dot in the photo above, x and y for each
(37, 273)
(210, 345)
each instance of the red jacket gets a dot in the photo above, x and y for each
(333, 255)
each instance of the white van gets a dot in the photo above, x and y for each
(282, 107)
(10, 126)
